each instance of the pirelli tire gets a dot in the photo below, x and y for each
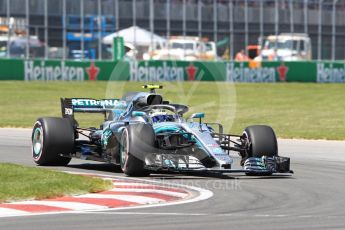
(51, 138)
(262, 141)
(136, 141)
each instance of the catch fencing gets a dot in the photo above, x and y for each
(73, 29)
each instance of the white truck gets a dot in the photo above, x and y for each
(286, 47)
(186, 48)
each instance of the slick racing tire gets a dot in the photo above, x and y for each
(136, 141)
(51, 138)
(262, 141)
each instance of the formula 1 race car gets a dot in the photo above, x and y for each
(144, 133)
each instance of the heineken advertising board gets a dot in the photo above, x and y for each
(176, 71)
(153, 71)
(40, 70)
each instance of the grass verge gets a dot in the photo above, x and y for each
(294, 110)
(21, 183)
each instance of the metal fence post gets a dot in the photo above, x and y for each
(168, 19)
(305, 16)
(99, 12)
(319, 55)
(27, 12)
(117, 22)
(292, 28)
(261, 20)
(231, 30)
(276, 25)
(184, 26)
(168, 25)
(134, 11)
(64, 32)
(334, 29)
(246, 31)
(10, 29)
(215, 26)
(46, 29)
(199, 19)
(151, 24)
(82, 29)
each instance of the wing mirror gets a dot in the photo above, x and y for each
(198, 115)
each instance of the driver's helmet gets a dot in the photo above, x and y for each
(161, 116)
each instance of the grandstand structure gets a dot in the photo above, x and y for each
(235, 24)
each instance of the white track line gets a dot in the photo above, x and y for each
(11, 212)
(77, 206)
(163, 192)
(130, 198)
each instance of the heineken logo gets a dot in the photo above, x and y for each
(42, 71)
(282, 71)
(161, 72)
(191, 72)
(92, 72)
(330, 73)
(246, 74)
(36, 72)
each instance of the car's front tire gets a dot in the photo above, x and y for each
(262, 141)
(136, 141)
(51, 138)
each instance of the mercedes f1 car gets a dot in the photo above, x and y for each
(143, 133)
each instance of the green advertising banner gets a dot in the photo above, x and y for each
(53, 70)
(271, 71)
(118, 48)
(155, 71)
(11, 69)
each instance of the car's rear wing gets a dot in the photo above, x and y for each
(69, 106)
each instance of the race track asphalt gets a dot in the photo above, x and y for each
(313, 198)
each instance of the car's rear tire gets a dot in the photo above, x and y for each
(262, 141)
(136, 141)
(52, 137)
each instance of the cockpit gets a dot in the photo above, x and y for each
(164, 112)
(161, 115)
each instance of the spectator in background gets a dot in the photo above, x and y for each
(241, 56)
